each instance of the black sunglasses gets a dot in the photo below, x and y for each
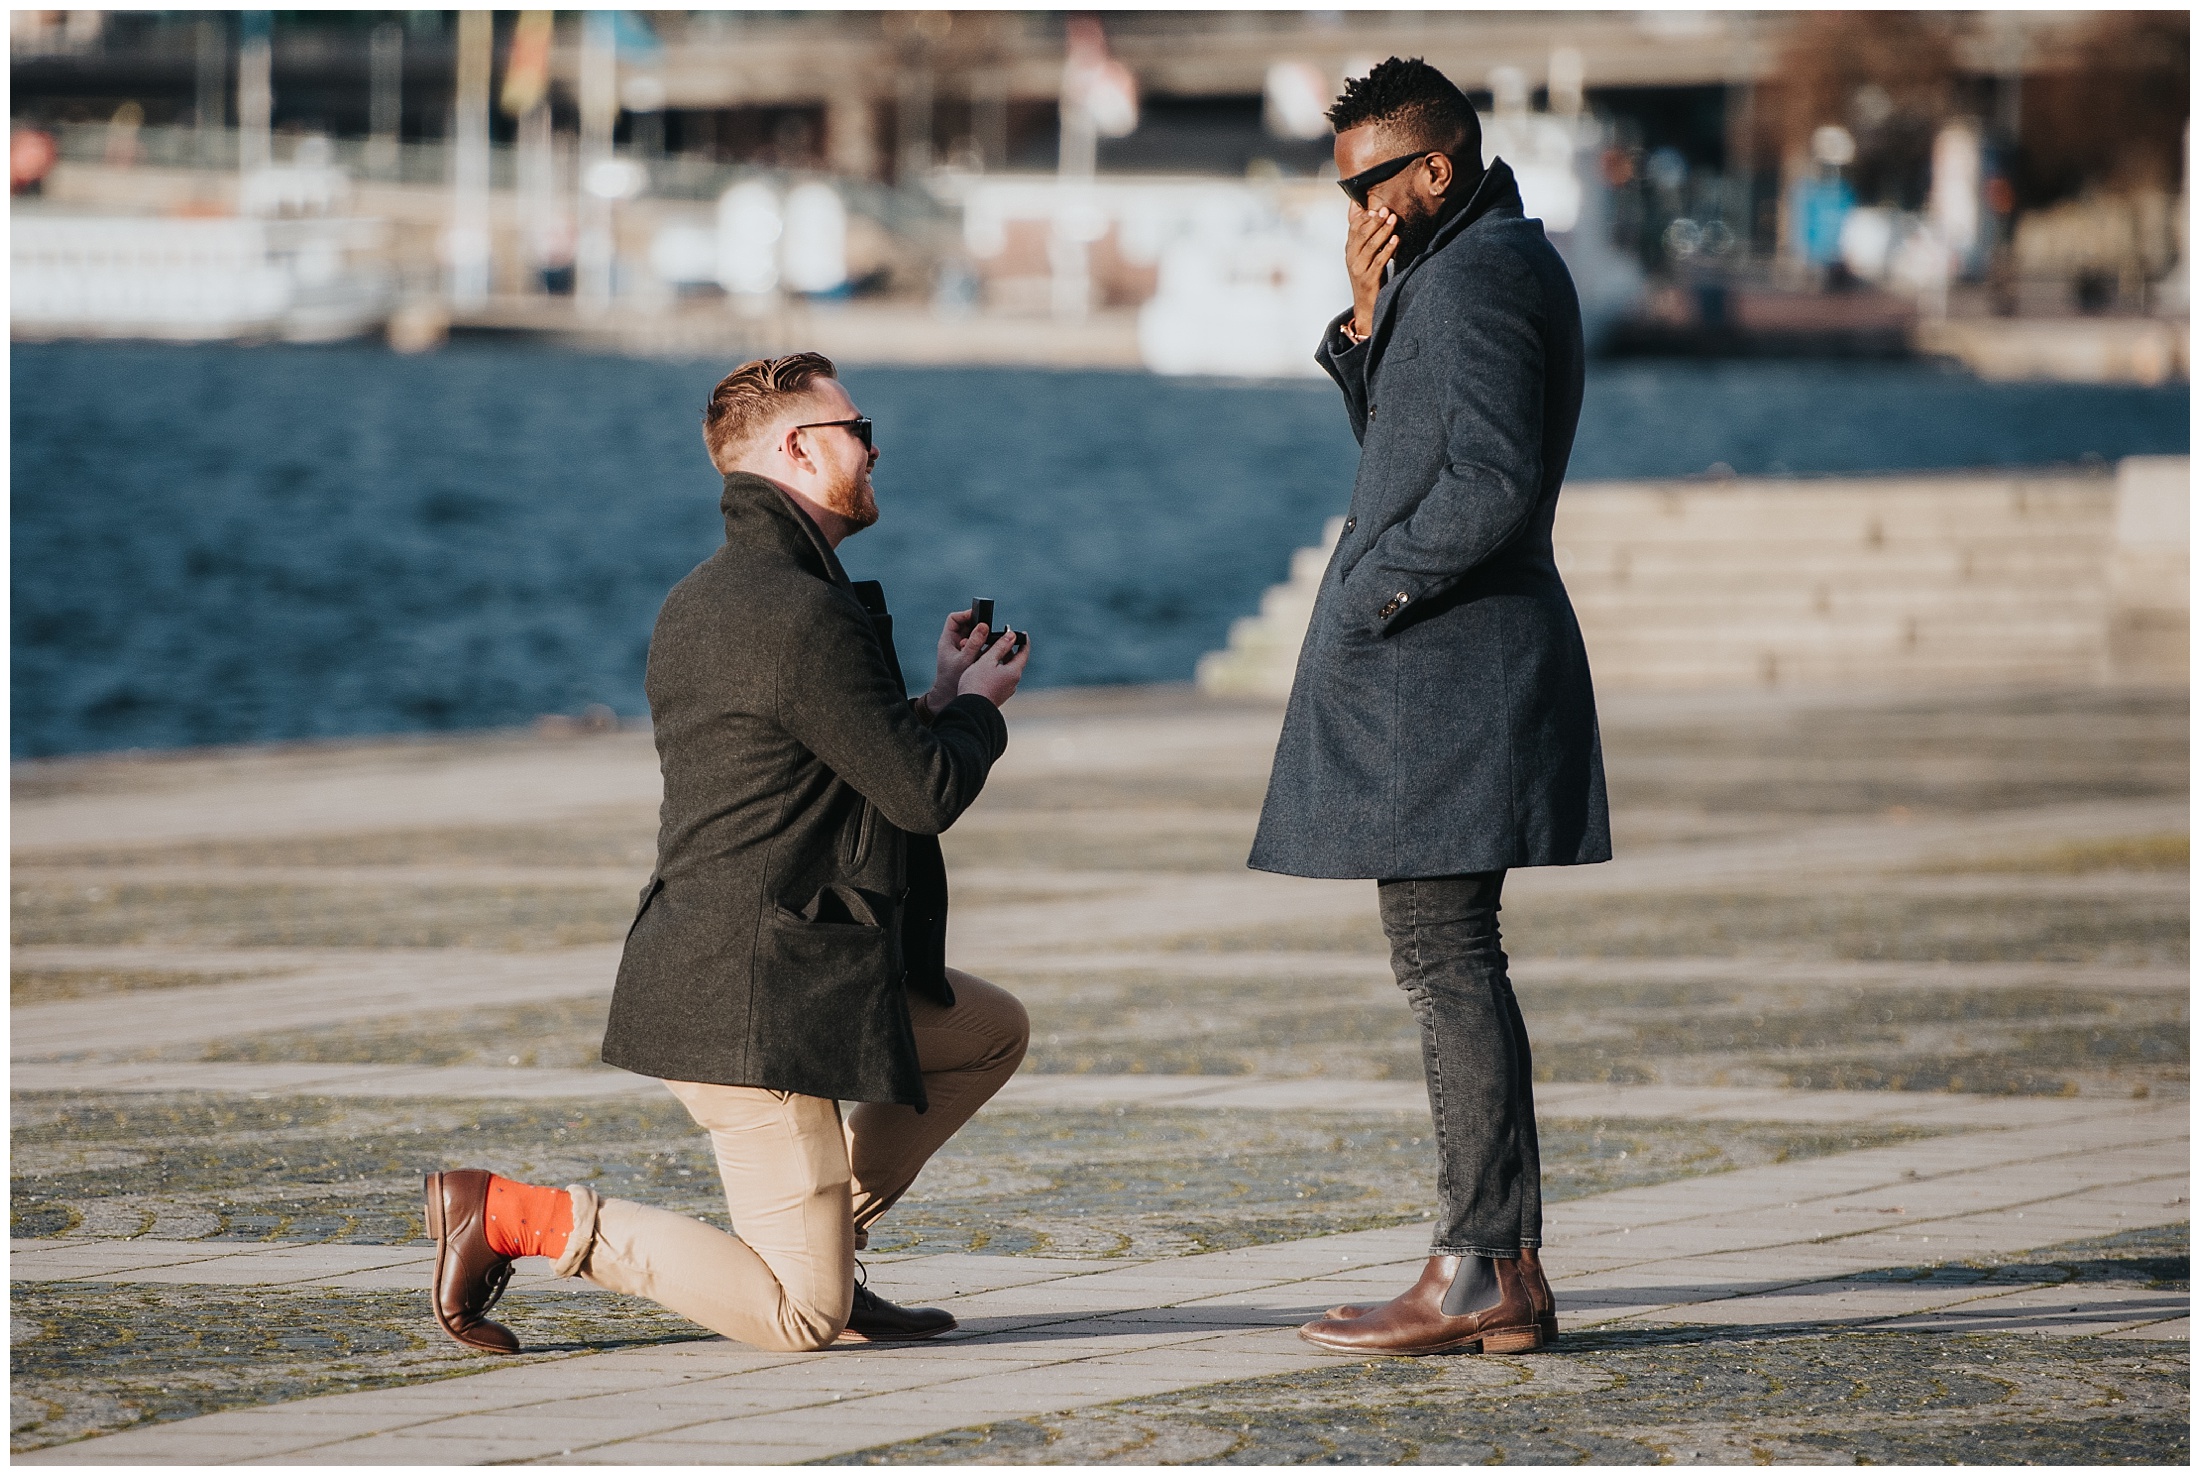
(1358, 185)
(861, 426)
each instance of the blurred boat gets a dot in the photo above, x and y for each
(293, 265)
(195, 280)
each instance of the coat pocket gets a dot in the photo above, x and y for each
(838, 905)
(830, 1012)
(837, 943)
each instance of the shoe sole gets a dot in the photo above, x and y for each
(1503, 1340)
(850, 1336)
(1547, 1325)
(432, 1187)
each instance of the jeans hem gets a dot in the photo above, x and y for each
(1487, 1253)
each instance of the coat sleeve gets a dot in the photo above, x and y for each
(1492, 395)
(839, 699)
(1346, 363)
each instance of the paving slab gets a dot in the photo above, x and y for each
(1531, 972)
(2176, 1329)
(358, 984)
(490, 780)
(664, 1451)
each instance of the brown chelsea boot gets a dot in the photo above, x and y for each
(1415, 1323)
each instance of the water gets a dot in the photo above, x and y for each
(216, 545)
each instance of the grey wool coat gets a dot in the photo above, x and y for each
(1441, 719)
(799, 890)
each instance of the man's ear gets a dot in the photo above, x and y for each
(1442, 175)
(791, 447)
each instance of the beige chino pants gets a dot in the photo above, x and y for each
(802, 1187)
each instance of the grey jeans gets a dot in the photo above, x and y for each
(1474, 1050)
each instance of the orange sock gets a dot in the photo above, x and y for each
(528, 1219)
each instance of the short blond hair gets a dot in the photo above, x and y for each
(751, 397)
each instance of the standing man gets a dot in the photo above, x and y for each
(1441, 728)
(789, 951)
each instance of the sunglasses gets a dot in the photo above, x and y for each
(1358, 185)
(860, 427)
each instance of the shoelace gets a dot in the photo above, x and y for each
(497, 1278)
(864, 1296)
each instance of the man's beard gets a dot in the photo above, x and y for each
(1414, 234)
(854, 503)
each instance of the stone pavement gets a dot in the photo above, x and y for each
(1863, 1073)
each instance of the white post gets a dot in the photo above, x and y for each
(1067, 252)
(467, 243)
(538, 185)
(599, 100)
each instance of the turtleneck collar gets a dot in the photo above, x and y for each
(1494, 192)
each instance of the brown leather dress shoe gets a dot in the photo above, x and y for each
(469, 1276)
(1415, 1323)
(873, 1319)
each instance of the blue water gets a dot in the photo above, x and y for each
(216, 545)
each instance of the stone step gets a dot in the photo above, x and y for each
(1975, 560)
(1862, 509)
(1677, 604)
(1988, 609)
(1940, 578)
(1778, 669)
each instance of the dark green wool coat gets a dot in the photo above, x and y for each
(799, 889)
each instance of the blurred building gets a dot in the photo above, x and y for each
(1717, 178)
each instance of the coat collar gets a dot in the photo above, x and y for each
(759, 514)
(1498, 194)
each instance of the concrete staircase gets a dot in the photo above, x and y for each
(1885, 581)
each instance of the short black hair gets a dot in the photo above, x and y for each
(1415, 98)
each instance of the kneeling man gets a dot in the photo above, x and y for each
(789, 951)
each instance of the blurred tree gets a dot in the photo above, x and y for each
(2112, 115)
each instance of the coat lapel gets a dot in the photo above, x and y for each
(872, 596)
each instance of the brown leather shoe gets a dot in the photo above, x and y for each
(873, 1319)
(1414, 1323)
(469, 1276)
(1540, 1295)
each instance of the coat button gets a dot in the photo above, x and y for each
(1350, 524)
(1371, 412)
